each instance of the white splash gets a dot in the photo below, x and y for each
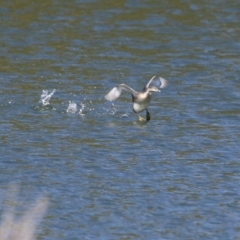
(81, 109)
(45, 97)
(72, 107)
(113, 109)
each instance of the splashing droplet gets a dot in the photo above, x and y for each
(81, 109)
(72, 107)
(45, 97)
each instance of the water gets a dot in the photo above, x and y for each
(108, 176)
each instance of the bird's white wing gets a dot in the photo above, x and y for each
(158, 82)
(116, 92)
(113, 94)
(163, 81)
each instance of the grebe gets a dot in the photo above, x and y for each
(142, 99)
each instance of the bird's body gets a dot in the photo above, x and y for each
(141, 100)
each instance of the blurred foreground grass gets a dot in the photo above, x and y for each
(15, 225)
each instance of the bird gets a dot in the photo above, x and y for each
(141, 100)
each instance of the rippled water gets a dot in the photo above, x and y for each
(107, 175)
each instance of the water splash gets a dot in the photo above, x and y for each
(45, 97)
(72, 107)
(113, 109)
(81, 109)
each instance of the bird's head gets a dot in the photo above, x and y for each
(153, 89)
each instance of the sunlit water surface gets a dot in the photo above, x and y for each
(107, 175)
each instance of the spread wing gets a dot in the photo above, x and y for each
(116, 92)
(158, 82)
